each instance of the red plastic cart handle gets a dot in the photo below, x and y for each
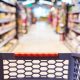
(36, 54)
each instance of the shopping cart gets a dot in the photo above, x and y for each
(39, 66)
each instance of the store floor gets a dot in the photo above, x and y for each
(41, 38)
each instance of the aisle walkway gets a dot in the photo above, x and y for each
(41, 38)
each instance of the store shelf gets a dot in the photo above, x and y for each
(13, 46)
(10, 49)
(6, 41)
(68, 44)
(6, 11)
(6, 30)
(74, 12)
(74, 21)
(8, 2)
(6, 20)
(9, 7)
(76, 30)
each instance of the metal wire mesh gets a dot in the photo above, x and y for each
(62, 67)
(76, 73)
(35, 69)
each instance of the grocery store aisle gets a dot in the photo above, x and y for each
(41, 38)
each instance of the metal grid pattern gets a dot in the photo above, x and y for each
(35, 69)
(76, 73)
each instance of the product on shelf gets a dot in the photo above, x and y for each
(10, 1)
(9, 24)
(13, 41)
(70, 17)
(9, 45)
(13, 16)
(7, 7)
(0, 27)
(5, 37)
(78, 26)
(7, 16)
(5, 27)
(72, 35)
(78, 38)
(74, 44)
(0, 40)
(75, 17)
(22, 20)
(13, 32)
(71, 25)
(78, 49)
(8, 35)
(79, 16)
(2, 15)
(8, 29)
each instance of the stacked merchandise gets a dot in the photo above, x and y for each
(22, 19)
(55, 13)
(59, 20)
(30, 17)
(73, 37)
(8, 30)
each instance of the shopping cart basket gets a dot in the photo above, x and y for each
(39, 66)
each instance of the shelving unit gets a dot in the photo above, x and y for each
(73, 12)
(22, 19)
(8, 25)
(73, 36)
(75, 21)
(10, 2)
(6, 11)
(6, 30)
(6, 41)
(6, 20)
